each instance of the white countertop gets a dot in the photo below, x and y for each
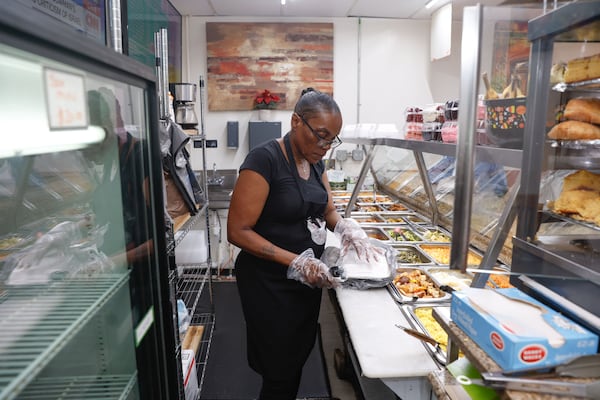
(382, 349)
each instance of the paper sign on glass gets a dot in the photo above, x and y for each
(65, 95)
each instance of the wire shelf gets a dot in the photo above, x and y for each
(104, 387)
(191, 285)
(208, 320)
(189, 224)
(38, 321)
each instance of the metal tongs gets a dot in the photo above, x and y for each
(438, 353)
(419, 335)
(580, 367)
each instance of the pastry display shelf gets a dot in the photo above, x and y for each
(591, 84)
(561, 254)
(33, 335)
(105, 387)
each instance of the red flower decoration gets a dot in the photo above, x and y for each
(266, 100)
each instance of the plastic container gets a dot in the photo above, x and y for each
(449, 132)
(414, 123)
(192, 249)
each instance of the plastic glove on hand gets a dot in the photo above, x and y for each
(310, 271)
(354, 238)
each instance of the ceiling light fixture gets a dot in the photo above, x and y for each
(429, 4)
(283, 2)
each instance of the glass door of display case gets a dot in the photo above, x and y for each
(81, 217)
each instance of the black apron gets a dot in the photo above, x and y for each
(281, 314)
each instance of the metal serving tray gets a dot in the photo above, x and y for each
(367, 218)
(406, 298)
(454, 278)
(376, 232)
(390, 217)
(444, 259)
(402, 234)
(439, 353)
(409, 255)
(396, 207)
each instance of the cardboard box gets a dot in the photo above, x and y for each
(190, 377)
(517, 331)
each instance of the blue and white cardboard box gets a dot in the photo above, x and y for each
(517, 331)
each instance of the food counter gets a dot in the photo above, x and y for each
(435, 179)
(366, 312)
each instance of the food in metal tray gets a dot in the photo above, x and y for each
(436, 236)
(433, 328)
(403, 235)
(441, 254)
(375, 233)
(369, 208)
(416, 283)
(500, 281)
(396, 207)
(366, 219)
(414, 218)
(456, 279)
(374, 199)
(389, 219)
(408, 256)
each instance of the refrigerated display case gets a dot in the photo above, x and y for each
(84, 300)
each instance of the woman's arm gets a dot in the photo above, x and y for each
(247, 203)
(331, 215)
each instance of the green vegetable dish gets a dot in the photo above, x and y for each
(403, 235)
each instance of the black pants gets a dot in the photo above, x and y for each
(280, 389)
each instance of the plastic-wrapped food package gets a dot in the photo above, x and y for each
(357, 274)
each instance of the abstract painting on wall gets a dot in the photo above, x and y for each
(244, 59)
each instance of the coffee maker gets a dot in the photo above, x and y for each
(184, 105)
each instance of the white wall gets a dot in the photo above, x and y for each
(381, 66)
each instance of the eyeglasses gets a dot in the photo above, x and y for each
(335, 142)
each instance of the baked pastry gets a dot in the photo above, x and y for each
(584, 110)
(574, 130)
(557, 73)
(582, 180)
(573, 201)
(580, 197)
(582, 69)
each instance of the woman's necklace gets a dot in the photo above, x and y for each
(305, 166)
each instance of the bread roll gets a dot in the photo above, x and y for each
(574, 130)
(584, 110)
(582, 69)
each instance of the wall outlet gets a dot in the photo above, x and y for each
(358, 154)
(341, 155)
